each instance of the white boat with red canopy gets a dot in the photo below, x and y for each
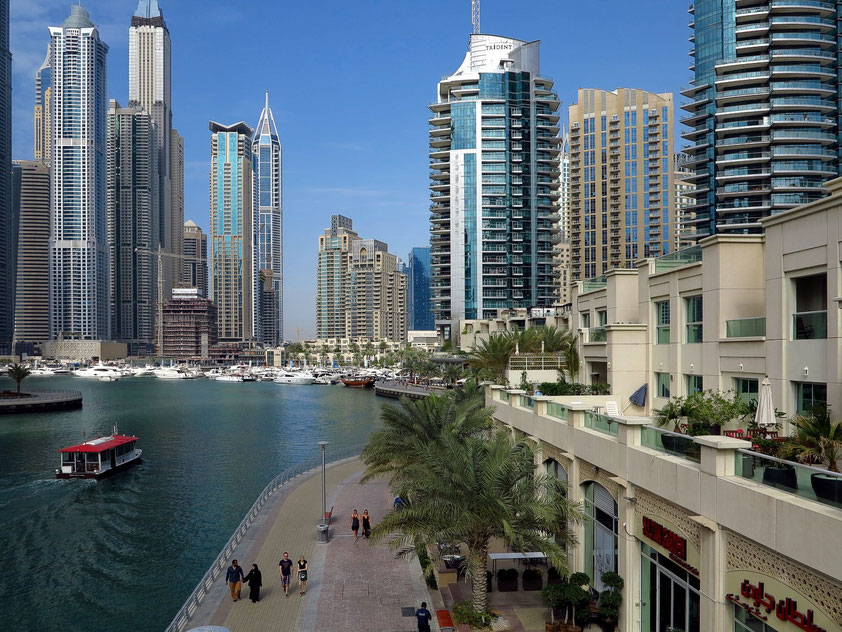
(99, 457)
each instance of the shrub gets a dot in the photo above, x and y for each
(611, 599)
(532, 573)
(430, 578)
(552, 573)
(580, 579)
(423, 556)
(464, 613)
(505, 574)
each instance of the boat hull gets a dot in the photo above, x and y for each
(123, 466)
(295, 380)
(366, 383)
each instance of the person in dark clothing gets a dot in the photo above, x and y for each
(234, 579)
(355, 523)
(286, 572)
(255, 580)
(366, 524)
(423, 615)
(303, 567)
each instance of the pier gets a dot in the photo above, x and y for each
(396, 390)
(39, 401)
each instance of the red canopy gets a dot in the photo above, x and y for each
(100, 445)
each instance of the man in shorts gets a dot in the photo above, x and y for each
(286, 572)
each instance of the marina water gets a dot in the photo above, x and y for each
(124, 553)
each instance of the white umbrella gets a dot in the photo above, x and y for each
(765, 415)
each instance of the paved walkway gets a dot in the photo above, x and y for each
(351, 585)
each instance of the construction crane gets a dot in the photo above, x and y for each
(160, 253)
(475, 15)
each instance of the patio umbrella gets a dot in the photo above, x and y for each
(765, 415)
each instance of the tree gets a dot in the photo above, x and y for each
(819, 438)
(452, 373)
(468, 491)
(493, 355)
(18, 373)
(383, 346)
(570, 355)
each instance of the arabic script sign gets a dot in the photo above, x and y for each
(775, 603)
(668, 540)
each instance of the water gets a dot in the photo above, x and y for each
(123, 553)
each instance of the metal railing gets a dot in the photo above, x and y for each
(42, 396)
(670, 443)
(813, 483)
(536, 361)
(183, 616)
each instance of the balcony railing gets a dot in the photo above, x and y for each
(536, 361)
(558, 411)
(809, 325)
(597, 334)
(678, 259)
(670, 443)
(597, 283)
(745, 327)
(809, 482)
(601, 423)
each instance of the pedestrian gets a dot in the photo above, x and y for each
(355, 523)
(286, 572)
(303, 567)
(234, 579)
(423, 615)
(366, 524)
(255, 581)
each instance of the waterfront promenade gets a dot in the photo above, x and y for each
(351, 585)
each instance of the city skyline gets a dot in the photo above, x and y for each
(391, 202)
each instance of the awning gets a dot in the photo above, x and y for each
(638, 398)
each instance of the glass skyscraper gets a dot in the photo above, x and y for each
(266, 151)
(419, 308)
(8, 233)
(78, 240)
(764, 110)
(41, 113)
(494, 190)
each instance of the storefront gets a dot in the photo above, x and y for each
(601, 535)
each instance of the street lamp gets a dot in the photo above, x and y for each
(323, 526)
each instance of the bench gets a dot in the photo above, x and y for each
(445, 621)
(328, 515)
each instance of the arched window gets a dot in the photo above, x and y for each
(554, 469)
(601, 535)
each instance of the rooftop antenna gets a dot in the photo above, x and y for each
(475, 16)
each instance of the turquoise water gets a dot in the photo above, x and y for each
(124, 553)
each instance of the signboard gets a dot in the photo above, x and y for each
(668, 540)
(775, 603)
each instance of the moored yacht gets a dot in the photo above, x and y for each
(172, 373)
(285, 377)
(99, 371)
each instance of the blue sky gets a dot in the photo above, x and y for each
(349, 86)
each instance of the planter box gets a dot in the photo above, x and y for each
(507, 585)
(827, 487)
(533, 583)
(783, 477)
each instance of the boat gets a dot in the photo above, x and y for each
(98, 371)
(358, 382)
(229, 378)
(172, 373)
(325, 379)
(99, 457)
(285, 377)
(107, 378)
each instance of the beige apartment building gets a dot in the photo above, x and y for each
(725, 314)
(622, 200)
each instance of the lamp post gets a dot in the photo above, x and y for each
(322, 521)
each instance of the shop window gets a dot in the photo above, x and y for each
(744, 622)
(662, 385)
(669, 595)
(746, 388)
(601, 535)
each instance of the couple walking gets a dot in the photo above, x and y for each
(285, 566)
(355, 524)
(235, 579)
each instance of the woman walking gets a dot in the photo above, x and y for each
(303, 567)
(255, 580)
(355, 523)
(366, 524)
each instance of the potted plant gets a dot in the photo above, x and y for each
(507, 579)
(532, 579)
(551, 596)
(572, 597)
(553, 576)
(610, 600)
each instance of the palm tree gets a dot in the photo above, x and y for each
(18, 373)
(469, 491)
(452, 373)
(493, 355)
(557, 340)
(819, 436)
(571, 360)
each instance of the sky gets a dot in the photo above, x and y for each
(349, 84)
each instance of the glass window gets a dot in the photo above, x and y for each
(601, 535)
(669, 595)
(662, 318)
(746, 388)
(809, 395)
(744, 622)
(694, 318)
(586, 320)
(809, 322)
(694, 384)
(662, 385)
(601, 318)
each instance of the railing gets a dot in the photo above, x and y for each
(809, 325)
(504, 396)
(43, 396)
(536, 361)
(596, 283)
(601, 423)
(183, 616)
(670, 443)
(806, 481)
(679, 258)
(527, 402)
(597, 334)
(554, 409)
(745, 327)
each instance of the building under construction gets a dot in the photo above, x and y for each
(189, 326)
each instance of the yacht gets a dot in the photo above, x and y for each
(99, 371)
(285, 377)
(172, 373)
(231, 377)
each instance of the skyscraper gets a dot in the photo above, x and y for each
(562, 248)
(233, 270)
(266, 148)
(621, 179)
(78, 239)
(494, 149)
(176, 205)
(133, 180)
(763, 112)
(150, 86)
(334, 246)
(7, 232)
(43, 97)
(419, 308)
(195, 271)
(32, 296)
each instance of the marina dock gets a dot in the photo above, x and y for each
(40, 401)
(396, 390)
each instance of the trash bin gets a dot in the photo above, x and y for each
(322, 533)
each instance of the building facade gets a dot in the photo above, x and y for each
(150, 86)
(133, 230)
(621, 179)
(266, 149)
(177, 205)
(32, 295)
(195, 272)
(233, 270)
(334, 246)
(683, 199)
(8, 232)
(494, 159)
(562, 248)
(78, 237)
(375, 293)
(763, 110)
(41, 114)
(420, 310)
(190, 327)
